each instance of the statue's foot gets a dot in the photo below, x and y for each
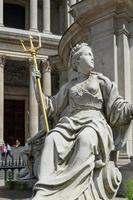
(27, 177)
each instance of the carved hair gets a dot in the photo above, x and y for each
(75, 55)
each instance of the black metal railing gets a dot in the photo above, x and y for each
(10, 166)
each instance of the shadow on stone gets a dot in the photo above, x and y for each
(14, 193)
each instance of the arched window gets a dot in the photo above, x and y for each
(14, 16)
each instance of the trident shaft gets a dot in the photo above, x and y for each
(33, 51)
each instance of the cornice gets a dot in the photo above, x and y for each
(90, 7)
(15, 55)
(13, 36)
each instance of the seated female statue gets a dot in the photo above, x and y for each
(82, 139)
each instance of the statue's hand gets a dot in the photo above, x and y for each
(36, 73)
(30, 140)
(36, 138)
(35, 141)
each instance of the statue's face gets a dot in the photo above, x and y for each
(86, 61)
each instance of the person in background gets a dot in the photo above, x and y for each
(17, 143)
(3, 151)
(8, 150)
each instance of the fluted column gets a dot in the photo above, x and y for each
(2, 63)
(1, 13)
(124, 79)
(33, 15)
(70, 18)
(33, 106)
(46, 70)
(46, 15)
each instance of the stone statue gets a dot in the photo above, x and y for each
(31, 156)
(75, 161)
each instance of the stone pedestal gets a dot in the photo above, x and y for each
(125, 164)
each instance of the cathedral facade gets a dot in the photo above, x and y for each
(19, 110)
(106, 25)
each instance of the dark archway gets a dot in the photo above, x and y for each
(14, 121)
(14, 16)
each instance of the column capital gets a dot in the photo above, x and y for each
(2, 60)
(46, 66)
(31, 63)
(123, 30)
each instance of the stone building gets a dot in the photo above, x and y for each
(105, 24)
(108, 27)
(19, 18)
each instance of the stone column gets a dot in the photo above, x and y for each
(131, 64)
(2, 63)
(33, 106)
(70, 18)
(1, 13)
(46, 15)
(124, 74)
(46, 70)
(33, 15)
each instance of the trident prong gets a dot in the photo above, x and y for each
(22, 42)
(33, 51)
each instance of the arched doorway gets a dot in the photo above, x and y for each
(14, 16)
(14, 121)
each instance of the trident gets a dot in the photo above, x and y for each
(33, 51)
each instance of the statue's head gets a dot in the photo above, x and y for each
(81, 58)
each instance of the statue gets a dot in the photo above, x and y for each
(30, 154)
(75, 160)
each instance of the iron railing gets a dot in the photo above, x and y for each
(10, 167)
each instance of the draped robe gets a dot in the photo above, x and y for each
(82, 137)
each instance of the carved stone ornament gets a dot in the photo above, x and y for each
(16, 73)
(2, 61)
(46, 66)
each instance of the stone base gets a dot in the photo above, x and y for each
(126, 168)
(20, 184)
(120, 199)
